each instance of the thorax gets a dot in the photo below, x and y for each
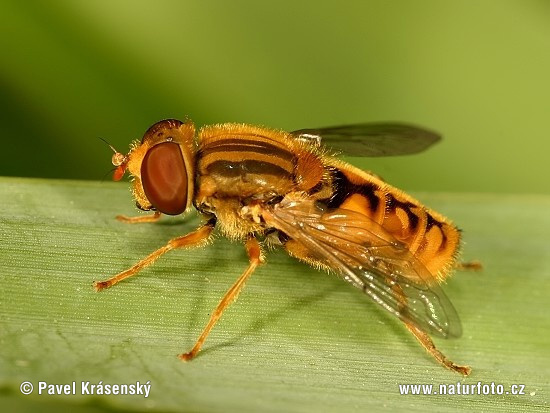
(241, 165)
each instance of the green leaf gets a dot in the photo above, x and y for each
(296, 340)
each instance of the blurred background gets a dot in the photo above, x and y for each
(477, 72)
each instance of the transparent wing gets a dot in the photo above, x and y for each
(368, 257)
(372, 139)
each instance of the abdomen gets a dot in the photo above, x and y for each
(431, 237)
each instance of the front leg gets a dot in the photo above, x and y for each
(193, 239)
(138, 220)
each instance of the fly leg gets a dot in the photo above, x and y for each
(137, 220)
(469, 266)
(255, 258)
(430, 347)
(193, 239)
(424, 339)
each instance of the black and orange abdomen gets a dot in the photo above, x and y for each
(431, 237)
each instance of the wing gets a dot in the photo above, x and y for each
(367, 256)
(372, 139)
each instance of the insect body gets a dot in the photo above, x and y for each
(262, 185)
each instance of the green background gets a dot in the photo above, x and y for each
(73, 71)
(477, 72)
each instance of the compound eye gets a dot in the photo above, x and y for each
(164, 178)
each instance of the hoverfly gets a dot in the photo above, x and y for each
(267, 187)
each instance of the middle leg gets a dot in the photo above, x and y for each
(255, 258)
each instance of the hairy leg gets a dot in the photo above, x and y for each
(255, 258)
(193, 239)
(138, 220)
